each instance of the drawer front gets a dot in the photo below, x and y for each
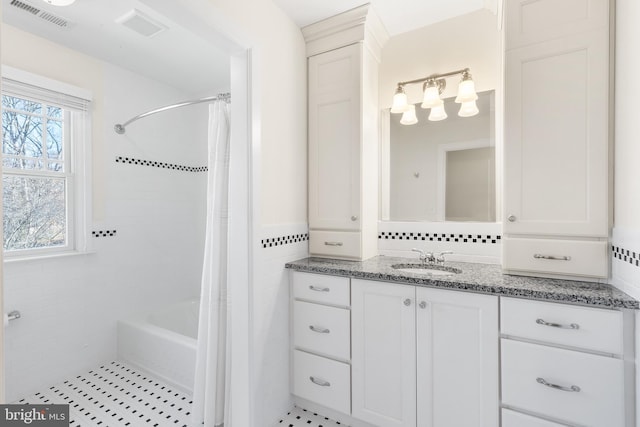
(323, 381)
(588, 328)
(321, 288)
(322, 329)
(335, 244)
(597, 401)
(572, 257)
(516, 419)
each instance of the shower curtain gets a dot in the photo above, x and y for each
(212, 383)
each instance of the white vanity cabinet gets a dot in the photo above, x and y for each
(556, 151)
(343, 134)
(423, 357)
(564, 365)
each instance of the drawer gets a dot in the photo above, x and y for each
(335, 244)
(598, 402)
(323, 381)
(322, 329)
(516, 419)
(321, 288)
(572, 257)
(594, 329)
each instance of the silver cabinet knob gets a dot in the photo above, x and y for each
(354, 218)
(423, 304)
(511, 218)
(407, 302)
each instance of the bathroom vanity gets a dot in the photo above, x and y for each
(376, 344)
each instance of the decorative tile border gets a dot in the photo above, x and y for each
(626, 255)
(439, 237)
(140, 162)
(103, 233)
(284, 240)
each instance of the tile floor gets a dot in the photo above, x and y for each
(301, 417)
(116, 394)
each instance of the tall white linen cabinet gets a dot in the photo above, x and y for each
(556, 173)
(344, 55)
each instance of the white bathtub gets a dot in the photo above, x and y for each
(163, 343)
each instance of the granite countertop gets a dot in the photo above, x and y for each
(481, 278)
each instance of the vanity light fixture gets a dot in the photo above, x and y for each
(60, 2)
(433, 86)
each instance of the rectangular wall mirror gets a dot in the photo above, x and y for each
(440, 170)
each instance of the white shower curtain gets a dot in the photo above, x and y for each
(213, 366)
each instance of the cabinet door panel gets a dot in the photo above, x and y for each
(534, 21)
(458, 363)
(383, 353)
(556, 137)
(334, 139)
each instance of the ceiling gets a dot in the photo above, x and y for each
(398, 16)
(174, 56)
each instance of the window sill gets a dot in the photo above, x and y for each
(40, 257)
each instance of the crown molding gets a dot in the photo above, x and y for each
(360, 24)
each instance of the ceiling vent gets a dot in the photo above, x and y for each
(141, 23)
(52, 18)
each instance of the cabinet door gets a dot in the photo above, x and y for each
(334, 139)
(458, 362)
(556, 137)
(383, 363)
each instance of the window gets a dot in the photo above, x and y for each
(45, 141)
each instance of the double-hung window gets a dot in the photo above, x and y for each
(45, 165)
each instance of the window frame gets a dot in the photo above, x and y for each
(77, 161)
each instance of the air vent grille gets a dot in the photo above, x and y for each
(26, 7)
(42, 14)
(50, 17)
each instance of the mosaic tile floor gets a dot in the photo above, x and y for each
(116, 394)
(302, 417)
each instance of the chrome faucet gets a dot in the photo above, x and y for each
(440, 257)
(425, 257)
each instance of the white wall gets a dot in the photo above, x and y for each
(281, 84)
(626, 234)
(70, 305)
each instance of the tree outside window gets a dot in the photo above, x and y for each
(35, 174)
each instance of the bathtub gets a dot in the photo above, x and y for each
(163, 343)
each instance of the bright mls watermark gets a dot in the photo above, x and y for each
(34, 415)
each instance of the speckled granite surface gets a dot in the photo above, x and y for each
(481, 278)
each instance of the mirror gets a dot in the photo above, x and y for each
(440, 170)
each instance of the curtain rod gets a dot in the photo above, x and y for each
(120, 128)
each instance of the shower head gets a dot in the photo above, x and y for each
(119, 129)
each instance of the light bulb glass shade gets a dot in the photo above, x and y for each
(468, 109)
(431, 97)
(60, 2)
(409, 116)
(400, 104)
(466, 91)
(437, 113)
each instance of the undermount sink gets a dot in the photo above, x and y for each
(426, 269)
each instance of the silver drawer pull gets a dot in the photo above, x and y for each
(320, 382)
(553, 257)
(319, 330)
(333, 243)
(557, 325)
(573, 388)
(318, 289)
